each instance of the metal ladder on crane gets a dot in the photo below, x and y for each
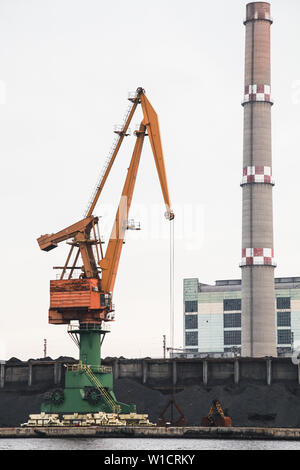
(110, 402)
(120, 131)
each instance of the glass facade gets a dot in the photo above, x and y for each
(191, 338)
(232, 337)
(191, 306)
(284, 336)
(283, 302)
(232, 320)
(191, 322)
(232, 304)
(283, 318)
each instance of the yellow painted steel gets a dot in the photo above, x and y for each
(78, 367)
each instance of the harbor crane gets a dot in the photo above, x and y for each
(87, 298)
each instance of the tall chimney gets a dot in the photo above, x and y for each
(258, 294)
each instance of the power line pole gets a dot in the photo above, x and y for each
(164, 345)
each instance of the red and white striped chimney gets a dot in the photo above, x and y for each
(257, 257)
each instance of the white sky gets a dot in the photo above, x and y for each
(66, 67)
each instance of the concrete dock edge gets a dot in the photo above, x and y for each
(153, 432)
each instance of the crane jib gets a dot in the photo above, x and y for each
(84, 292)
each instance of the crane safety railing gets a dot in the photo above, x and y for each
(132, 95)
(89, 326)
(100, 369)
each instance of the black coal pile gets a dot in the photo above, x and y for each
(14, 360)
(248, 404)
(66, 359)
(147, 400)
(16, 407)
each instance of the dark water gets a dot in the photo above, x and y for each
(144, 444)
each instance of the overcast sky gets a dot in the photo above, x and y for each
(66, 67)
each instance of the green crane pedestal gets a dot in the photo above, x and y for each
(88, 385)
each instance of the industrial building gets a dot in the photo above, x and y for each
(213, 316)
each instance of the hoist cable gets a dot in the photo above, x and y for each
(172, 284)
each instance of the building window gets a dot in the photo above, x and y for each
(283, 351)
(283, 302)
(191, 338)
(191, 306)
(191, 322)
(283, 318)
(232, 337)
(232, 320)
(284, 336)
(232, 304)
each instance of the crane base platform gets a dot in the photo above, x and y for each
(87, 419)
(87, 390)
